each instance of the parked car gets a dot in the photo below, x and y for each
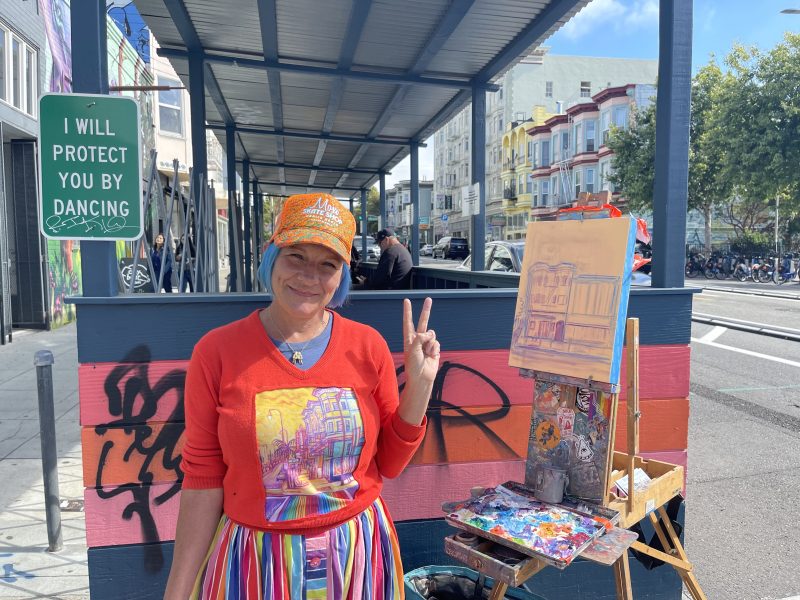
(426, 250)
(500, 256)
(451, 247)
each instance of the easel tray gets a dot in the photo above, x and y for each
(666, 482)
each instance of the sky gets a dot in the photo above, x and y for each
(629, 29)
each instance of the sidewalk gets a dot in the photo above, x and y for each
(27, 570)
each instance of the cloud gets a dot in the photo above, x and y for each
(642, 14)
(618, 15)
(594, 15)
(709, 18)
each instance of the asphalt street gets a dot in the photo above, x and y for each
(743, 492)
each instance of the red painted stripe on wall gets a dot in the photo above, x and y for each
(142, 392)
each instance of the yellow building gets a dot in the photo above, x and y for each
(516, 171)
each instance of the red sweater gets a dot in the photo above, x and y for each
(295, 451)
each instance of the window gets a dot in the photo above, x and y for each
(578, 138)
(534, 154)
(535, 194)
(548, 89)
(545, 153)
(564, 145)
(555, 191)
(590, 135)
(577, 183)
(621, 116)
(605, 125)
(31, 93)
(3, 63)
(545, 192)
(530, 151)
(16, 72)
(501, 259)
(170, 105)
(500, 124)
(554, 143)
(529, 184)
(586, 89)
(590, 181)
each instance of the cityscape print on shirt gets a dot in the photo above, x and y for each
(309, 442)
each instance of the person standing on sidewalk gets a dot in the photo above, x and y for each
(293, 419)
(186, 276)
(162, 258)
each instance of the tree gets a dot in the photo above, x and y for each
(709, 187)
(633, 165)
(635, 147)
(760, 122)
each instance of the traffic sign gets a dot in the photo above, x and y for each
(90, 174)
(444, 218)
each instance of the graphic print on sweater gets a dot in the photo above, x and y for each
(309, 442)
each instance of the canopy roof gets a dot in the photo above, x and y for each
(325, 95)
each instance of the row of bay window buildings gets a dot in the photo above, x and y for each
(546, 160)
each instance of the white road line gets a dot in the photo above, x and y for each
(777, 359)
(743, 321)
(712, 335)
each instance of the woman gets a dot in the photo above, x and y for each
(292, 420)
(161, 256)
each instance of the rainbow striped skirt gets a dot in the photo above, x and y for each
(359, 559)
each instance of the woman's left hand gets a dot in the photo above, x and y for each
(421, 354)
(420, 347)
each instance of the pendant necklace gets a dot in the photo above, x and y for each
(297, 355)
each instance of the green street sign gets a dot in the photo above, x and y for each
(90, 178)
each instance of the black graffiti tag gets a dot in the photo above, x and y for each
(437, 418)
(133, 402)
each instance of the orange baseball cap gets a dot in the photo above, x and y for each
(316, 219)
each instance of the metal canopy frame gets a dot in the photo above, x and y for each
(278, 100)
(434, 75)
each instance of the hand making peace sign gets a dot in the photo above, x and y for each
(421, 353)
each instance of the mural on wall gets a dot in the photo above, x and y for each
(125, 68)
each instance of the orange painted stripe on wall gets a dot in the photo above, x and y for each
(149, 453)
(132, 455)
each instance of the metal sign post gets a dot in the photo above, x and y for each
(90, 168)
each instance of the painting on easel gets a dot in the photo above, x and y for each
(573, 298)
(571, 430)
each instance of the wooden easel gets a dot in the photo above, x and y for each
(666, 483)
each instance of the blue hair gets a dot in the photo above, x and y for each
(268, 262)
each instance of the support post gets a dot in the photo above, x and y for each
(43, 361)
(414, 203)
(230, 151)
(248, 257)
(197, 103)
(670, 197)
(479, 177)
(364, 223)
(382, 201)
(90, 76)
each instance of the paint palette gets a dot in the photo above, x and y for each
(552, 533)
